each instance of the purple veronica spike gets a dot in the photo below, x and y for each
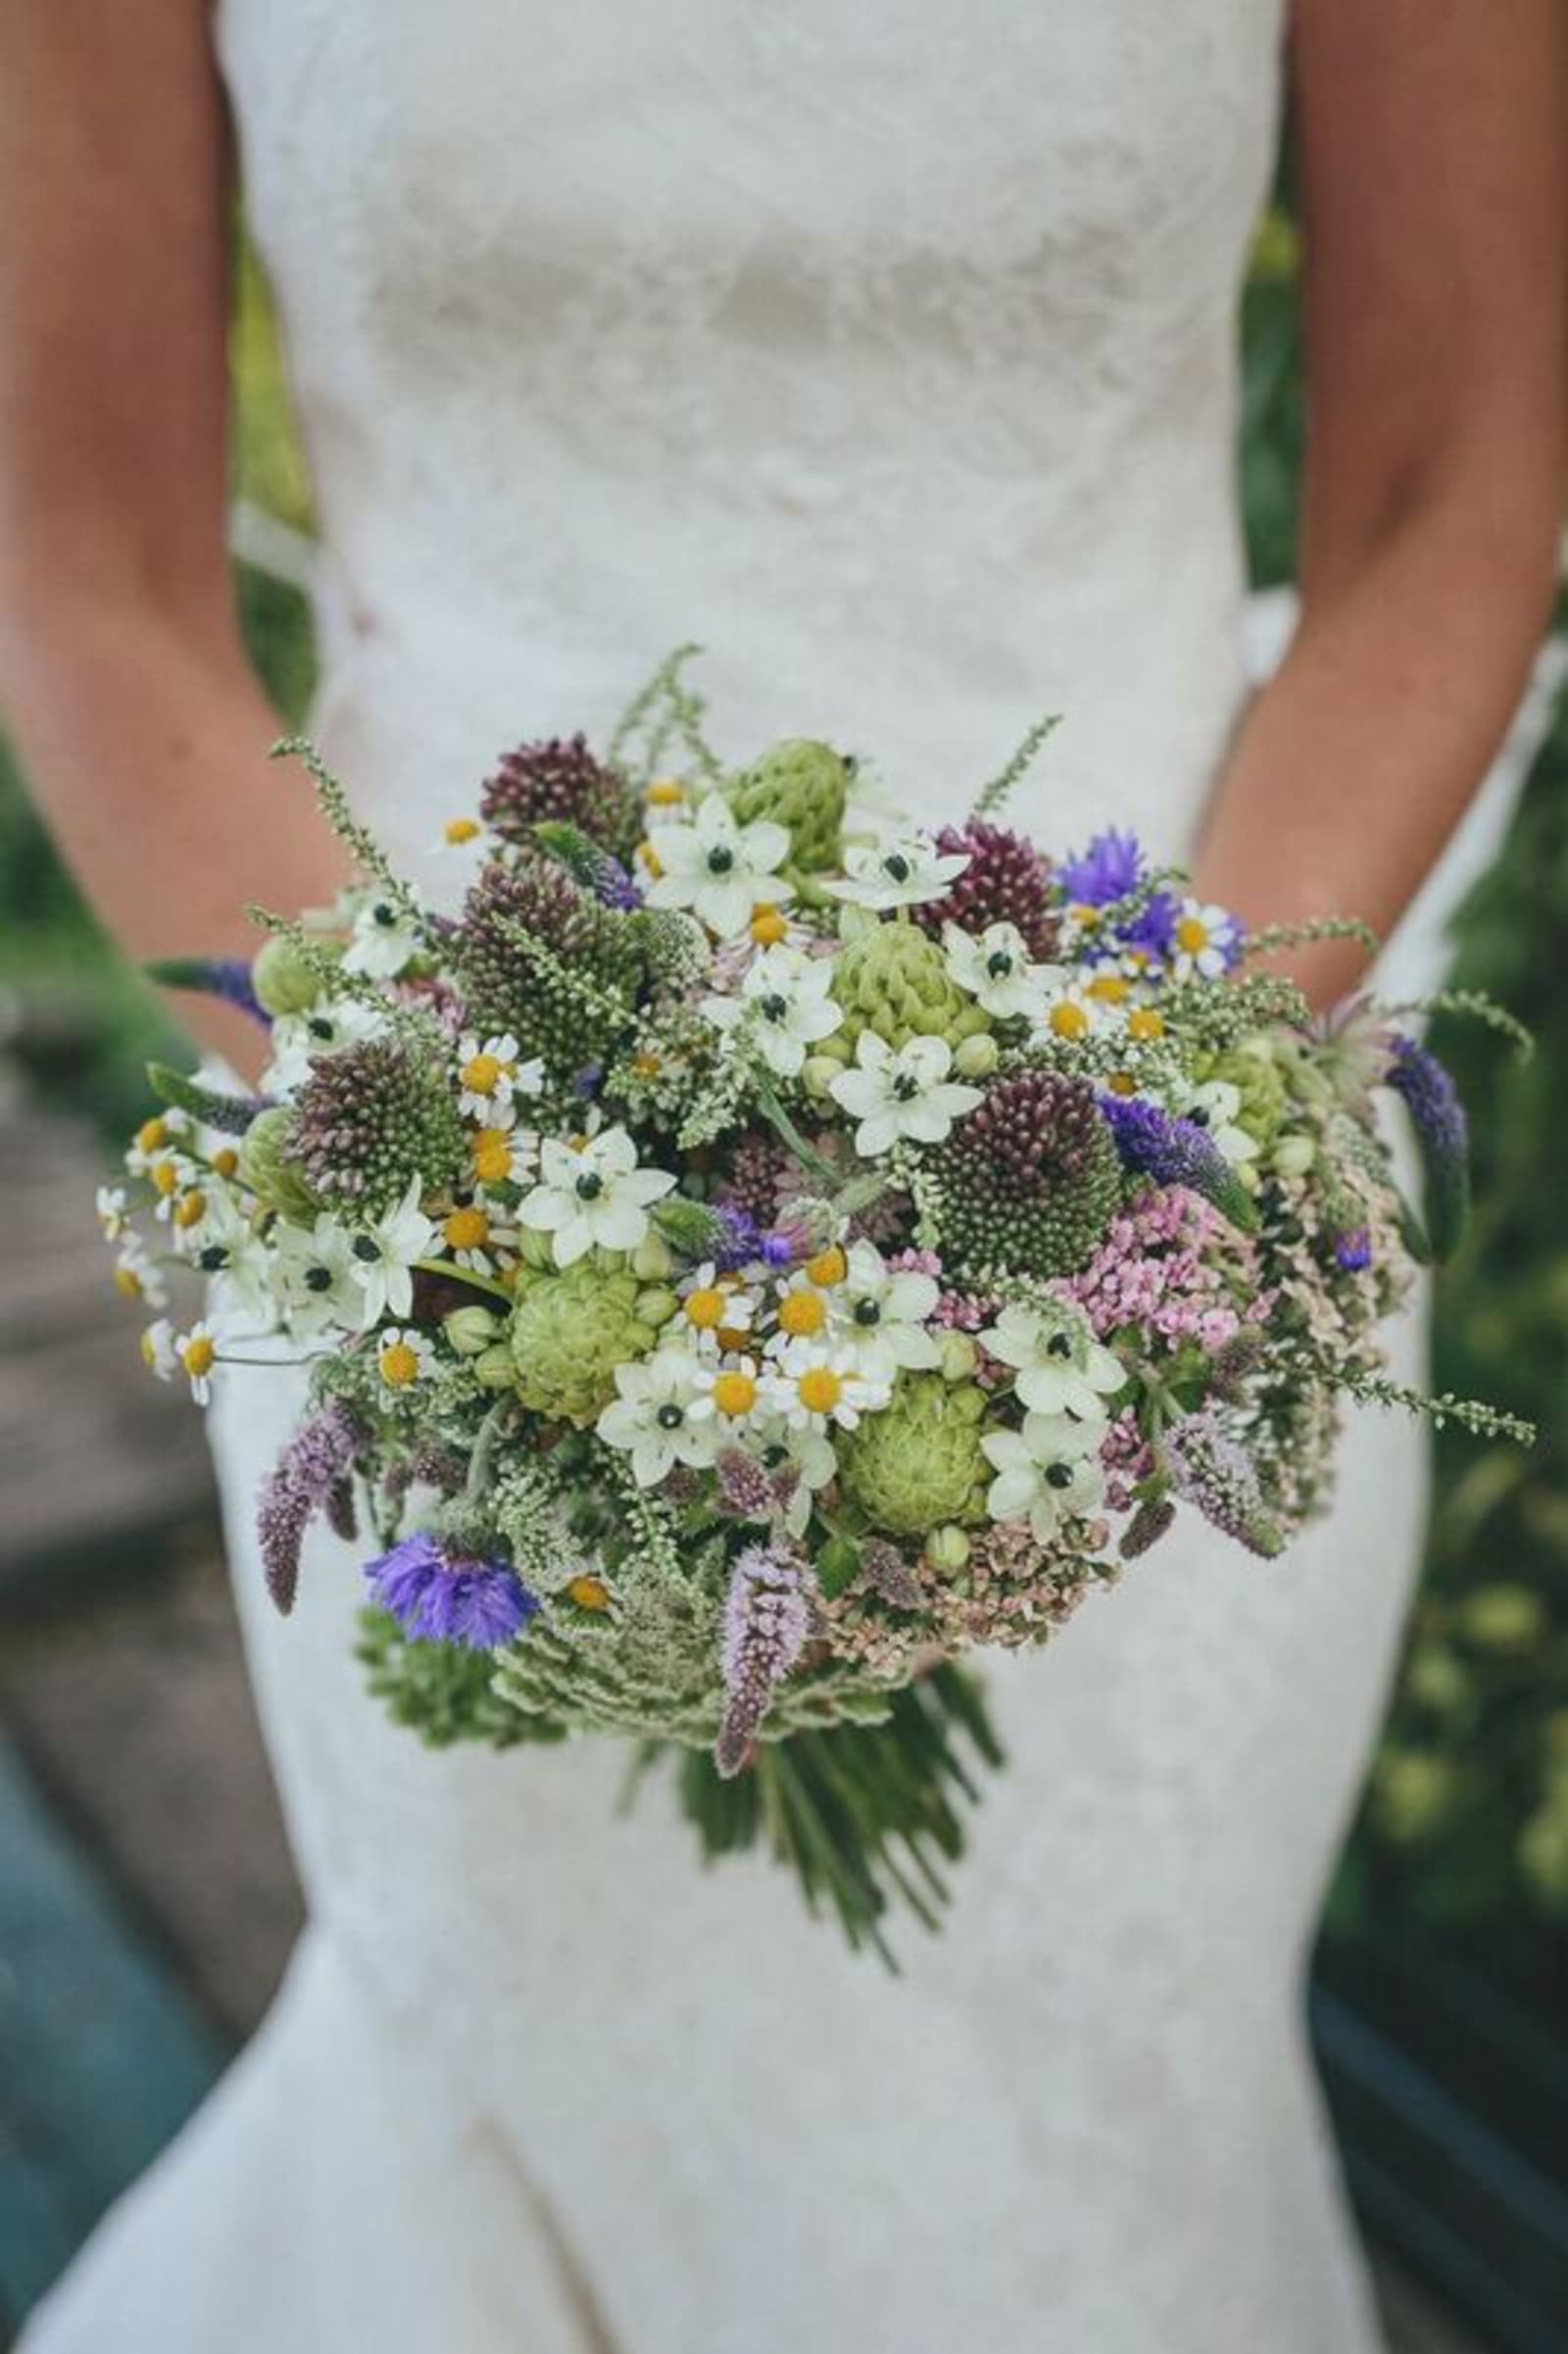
(310, 1476)
(1155, 1143)
(225, 977)
(613, 886)
(1444, 1134)
(437, 1597)
(1110, 868)
(768, 1617)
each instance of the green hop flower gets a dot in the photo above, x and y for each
(265, 1165)
(1252, 1067)
(920, 1462)
(282, 980)
(893, 978)
(570, 1330)
(805, 786)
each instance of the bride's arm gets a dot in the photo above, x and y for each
(1431, 144)
(121, 671)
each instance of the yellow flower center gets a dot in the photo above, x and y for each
(1146, 1022)
(1192, 934)
(820, 1389)
(1111, 988)
(1068, 1020)
(665, 793)
(492, 1156)
(645, 1064)
(198, 1358)
(589, 1592)
(801, 1313)
(828, 1267)
(149, 1353)
(1121, 1083)
(768, 926)
(458, 830)
(165, 1178)
(704, 1307)
(400, 1365)
(1086, 918)
(128, 1283)
(152, 1136)
(651, 859)
(732, 1337)
(467, 1230)
(225, 1161)
(734, 1393)
(482, 1074)
(192, 1211)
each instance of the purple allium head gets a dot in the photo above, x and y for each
(1353, 1249)
(437, 1597)
(310, 1476)
(559, 781)
(1110, 868)
(1444, 1134)
(1175, 1152)
(1007, 880)
(769, 1614)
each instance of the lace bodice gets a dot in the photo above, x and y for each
(887, 350)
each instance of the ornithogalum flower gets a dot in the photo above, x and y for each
(441, 1596)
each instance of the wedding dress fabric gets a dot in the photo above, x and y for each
(889, 350)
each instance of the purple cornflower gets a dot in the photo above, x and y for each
(310, 1476)
(1215, 1471)
(1353, 1249)
(1176, 1151)
(1110, 868)
(437, 1597)
(768, 1613)
(1444, 1134)
(1154, 928)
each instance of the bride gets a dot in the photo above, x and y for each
(889, 350)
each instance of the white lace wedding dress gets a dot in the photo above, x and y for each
(890, 351)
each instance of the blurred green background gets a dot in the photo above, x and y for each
(1465, 1824)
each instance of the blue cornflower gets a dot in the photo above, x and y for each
(1154, 927)
(1110, 868)
(437, 1597)
(1353, 1249)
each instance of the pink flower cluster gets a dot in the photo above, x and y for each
(1175, 1267)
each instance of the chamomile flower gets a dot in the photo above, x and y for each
(157, 1349)
(385, 1252)
(156, 1143)
(718, 867)
(384, 940)
(787, 997)
(317, 1278)
(814, 1389)
(730, 1392)
(902, 1093)
(138, 1276)
(1065, 1007)
(667, 801)
(503, 1155)
(652, 1416)
(717, 1311)
(1046, 1473)
(197, 1354)
(803, 1311)
(885, 1309)
(491, 1072)
(112, 1215)
(1205, 941)
(1058, 1365)
(463, 833)
(994, 967)
(885, 875)
(404, 1356)
(592, 1192)
(473, 1238)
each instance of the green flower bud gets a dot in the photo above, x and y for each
(819, 1074)
(656, 1304)
(958, 1356)
(282, 980)
(493, 1369)
(266, 1168)
(1294, 1154)
(977, 1057)
(947, 1547)
(653, 1260)
(470, 1330)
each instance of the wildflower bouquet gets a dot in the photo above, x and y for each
(750, 1257)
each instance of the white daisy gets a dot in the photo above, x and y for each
(592, 1193)
(475, 1235)
(197, 1352)
(885, 1309)
(993, 966)
(384, 941)
(729, 1391)
(490, 1073)
(385, 1252)
(651, 1417)
(138, 1276)
(716, 1311)
(898, 874)
(315, 1277)
(113, 1215)
(1059, 1366)
(902, 1094)
(156, 1143)
(1046, 1473)
(404, 1355)
(463, 833)
(718, 867)
(788, 999)
(667, 801)
(1065, 1006)
(1205, 941)
(814, 1388)
(157, 1349)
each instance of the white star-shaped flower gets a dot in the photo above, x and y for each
(1215, 1106)
(718, 867)
(386, 1254)
(659, 1416)
(886, 1308)
(898, 874)
(993, 966)
(1046, 1473)
(788, 996)
(1059, 1366)
(316, 1278)
(592, 1193)
(385, 942)
(904, 1093)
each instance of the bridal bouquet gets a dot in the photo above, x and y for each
(754, 1256)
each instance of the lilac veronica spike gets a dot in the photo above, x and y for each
(1444, 1135)
(437, 1597)
(310, 1478)
(1155, 1143)
(1215, 1471)
(225, 977)
(768, 1617)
